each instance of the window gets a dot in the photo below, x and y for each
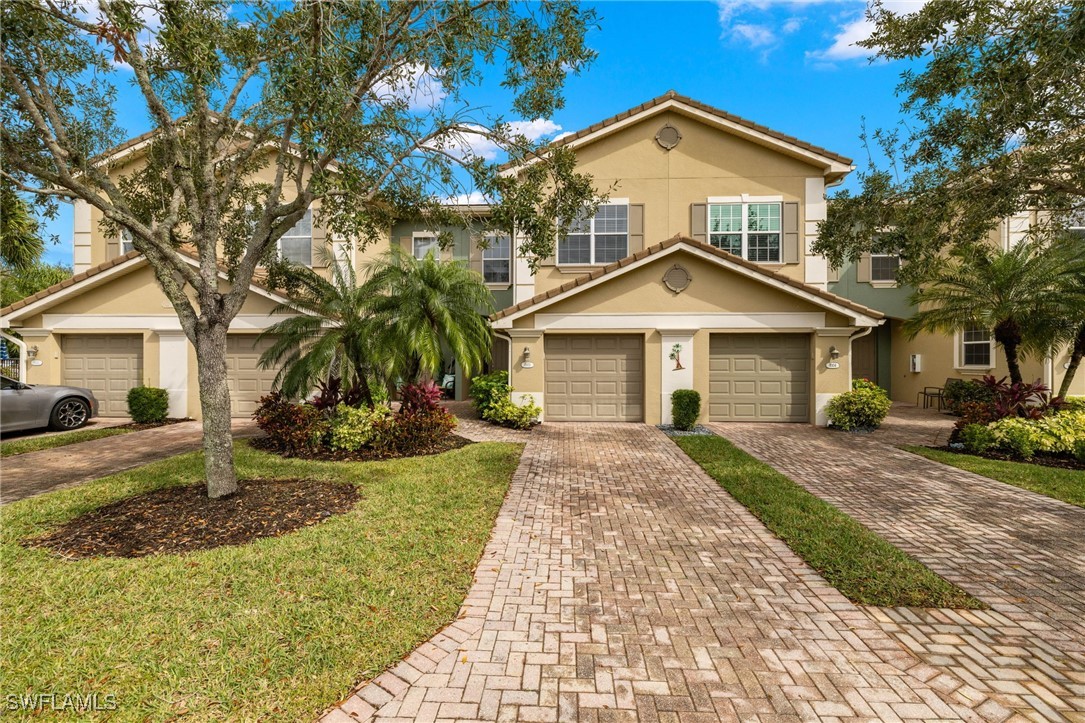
(1076, 225)
(602, 239)
(749, 230)
(296, 245)
(884, 267)
(976, 347)
(424, 244)
(497, 260)
(126, 241)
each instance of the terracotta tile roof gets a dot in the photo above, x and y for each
(81, 276)
(722, 114)
(701, 246)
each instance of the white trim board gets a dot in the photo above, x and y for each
(146, 322)
(810, 320)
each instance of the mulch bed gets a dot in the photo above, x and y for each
(1040, 458)
(151, 425)
(182, 519)
(362, 455)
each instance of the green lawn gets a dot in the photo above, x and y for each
(274, 630)
(858, 563)
(1067, 485)
(49, 441)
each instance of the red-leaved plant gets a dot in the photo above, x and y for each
(422, 397)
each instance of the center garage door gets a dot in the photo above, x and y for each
(107, 364)
(759, 378)
(248, 382)
(594, 378)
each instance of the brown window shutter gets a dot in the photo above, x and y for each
(636, 227)
(698, 222)
(407, 244)
(791, 233)
(112, 249)
(474, 256)
(862, 269)
(834, 275)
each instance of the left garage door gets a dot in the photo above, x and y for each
(248, 382)
(107, 364)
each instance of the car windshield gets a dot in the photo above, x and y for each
(6, 383)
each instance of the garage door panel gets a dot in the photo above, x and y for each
(107, 364)
(594, 377)
(245, 377)
(759, 377)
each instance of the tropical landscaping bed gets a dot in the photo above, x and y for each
(861, 565)
(270, 630)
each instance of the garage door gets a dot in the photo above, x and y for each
(759, 378)
(594, 378)
(248, 382)
(107, 364)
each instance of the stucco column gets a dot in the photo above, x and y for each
(526, 371)
(173, 370)
(46, 367)
(832, 375)
(82, 228)
(675, 374)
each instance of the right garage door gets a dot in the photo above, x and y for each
(759, 378)
(248, 381)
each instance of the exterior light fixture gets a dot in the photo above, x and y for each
(834, 353)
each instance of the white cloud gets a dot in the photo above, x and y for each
(857, 29)
(791, 25)
(474, 140)
(756, 36)
(414, 83)
(473, 198)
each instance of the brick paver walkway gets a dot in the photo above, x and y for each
(33, 473)
(1020, 552)
(622, 584)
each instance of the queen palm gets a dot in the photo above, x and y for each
(20, 245)
(1016, 294)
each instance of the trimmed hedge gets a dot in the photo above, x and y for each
(148, 405)
(685, 408)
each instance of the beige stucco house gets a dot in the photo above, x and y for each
(697, 273)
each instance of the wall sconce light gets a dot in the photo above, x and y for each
(527, 363)
(32, 352)
(834, 353)
(527, 353)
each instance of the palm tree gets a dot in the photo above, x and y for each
(1066, 326)
(20, 244)
(1013, 293)
(426, 306)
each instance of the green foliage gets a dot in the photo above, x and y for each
(421, 430)
(1074, 404)
(20, 244)
(19, 283)
(292, 429)
(1079, 450)
(977, 438)
(867, 385)
(355, 427)
(863, 408)
(148, 405)
(507, 413)
(1020, 441)
(486, 389)
(1057, 433)
(959, 392)
(685, 408)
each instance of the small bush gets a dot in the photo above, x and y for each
(1019, 441)
(958, 392)
(1074, 404)
(355, 427)
(868, 385)
(488, 388)
(977, 438)
(685, 408)
(419, 431)
(422, 397)
(1079, 450)
(982, 413)
(148, 405)
(292, 429)
(859, 409)
(507, 413)
(332, 393)
(1057, 433)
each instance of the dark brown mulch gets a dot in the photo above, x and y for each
(1041, 458)
(151, 425)
(182, 519)
(453, 441)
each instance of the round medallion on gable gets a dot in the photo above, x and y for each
(668, 137)
(677, 279)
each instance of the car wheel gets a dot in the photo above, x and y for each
(71, 413)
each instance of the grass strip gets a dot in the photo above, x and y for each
(1067, 485)
(861, 565)
(49, 441)
(274, 630)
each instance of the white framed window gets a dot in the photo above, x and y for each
(497, 260)
(977, 348)
(600, 239)
(749, 230)
(424, 243)
(884, 267)
(296, 245)
(125, 241)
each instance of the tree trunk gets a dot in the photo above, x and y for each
(218, 443)
(1076, 353)
(1008, 334)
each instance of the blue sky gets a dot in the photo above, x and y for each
(789, 65)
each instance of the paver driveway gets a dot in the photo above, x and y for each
(622, 583)
(1020, 552)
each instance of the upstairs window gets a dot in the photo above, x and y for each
(296, 245)
(424, 244)
(497, 260)
(977, 347)
(884, 267)
(600, 239)
(126, 241)
(749, 230)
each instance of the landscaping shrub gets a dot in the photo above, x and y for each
(1057, 433)
(487, 388)
(977, 438)
(863, 408)
(507, 413)
(418, 431)
(148, 405)
(422, 397)
(685, 408)
(1074, 404)
(863, 383)
(332, 394)
(1079, 450)
(292, 429)
(959, 392)
(1018, 440)
(355, 427)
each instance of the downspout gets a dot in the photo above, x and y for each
(22, 354)
(858, 335)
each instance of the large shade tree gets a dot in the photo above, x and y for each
(260, 109)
